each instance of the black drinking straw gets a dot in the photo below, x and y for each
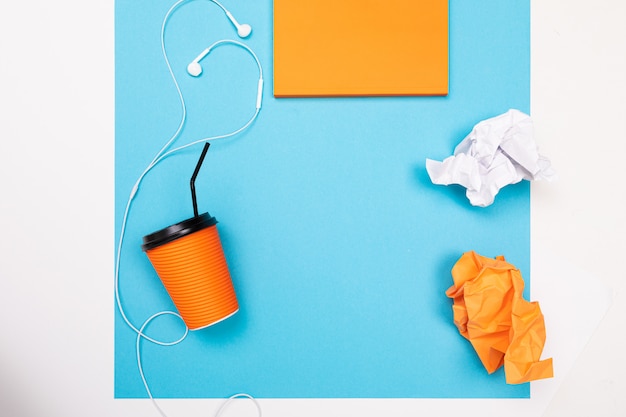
(192, 182)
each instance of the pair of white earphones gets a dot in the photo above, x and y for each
(194, 69)
(243, 31)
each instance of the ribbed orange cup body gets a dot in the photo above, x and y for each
(194, 272)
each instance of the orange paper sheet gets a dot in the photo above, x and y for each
(502, 327)
(360, 48)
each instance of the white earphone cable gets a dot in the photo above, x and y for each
(233, 397)
(160, 155)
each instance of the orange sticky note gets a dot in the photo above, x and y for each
(360, 48)
(503, 328)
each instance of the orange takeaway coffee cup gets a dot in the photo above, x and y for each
(189, 259)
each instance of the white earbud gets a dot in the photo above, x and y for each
(243, 30)
(194, 68)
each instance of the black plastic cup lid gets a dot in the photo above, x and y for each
(178, 230)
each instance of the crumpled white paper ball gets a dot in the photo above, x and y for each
(498, 152)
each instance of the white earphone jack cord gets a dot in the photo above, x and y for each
(243, 30)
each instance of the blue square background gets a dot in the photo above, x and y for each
(339, 246)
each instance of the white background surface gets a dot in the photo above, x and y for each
(56, 211)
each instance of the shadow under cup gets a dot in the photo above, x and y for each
(189, 259)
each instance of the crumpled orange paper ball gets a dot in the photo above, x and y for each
(490, 312)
